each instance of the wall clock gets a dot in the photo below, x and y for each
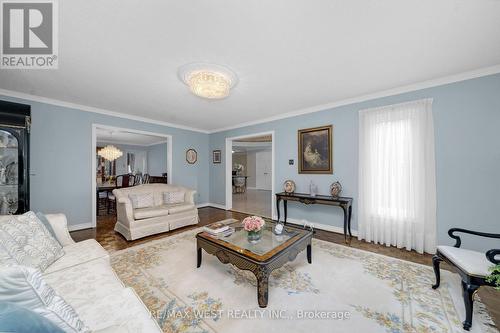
(191, 156)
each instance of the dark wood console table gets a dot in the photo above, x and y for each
(344, 202)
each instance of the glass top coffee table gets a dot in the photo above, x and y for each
(261, 258)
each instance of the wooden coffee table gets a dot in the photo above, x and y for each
(261, 258)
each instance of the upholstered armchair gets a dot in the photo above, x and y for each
(472, 266)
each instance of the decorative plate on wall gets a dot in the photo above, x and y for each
(191, 156)
(289, 186)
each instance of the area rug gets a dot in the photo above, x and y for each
(343, 290)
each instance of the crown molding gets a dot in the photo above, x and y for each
(130, 143)
(80, 107)
(385, 93)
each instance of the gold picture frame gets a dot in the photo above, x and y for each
(315, 150)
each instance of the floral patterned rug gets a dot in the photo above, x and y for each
(343, 290)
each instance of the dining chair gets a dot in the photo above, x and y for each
(138, 180)
(125, 180)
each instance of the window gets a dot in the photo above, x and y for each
(397, 187)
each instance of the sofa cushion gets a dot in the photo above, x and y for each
(173, 197)
(142, 200)
(28, 241)
(123, 308)
(178, 208)
(86, 282)
(25, 286)
(472, 262)
(78, 253)
(146, 213)
(14, 318)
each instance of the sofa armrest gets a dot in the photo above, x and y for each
(59, 224)
(491, 254)
(189, 196)
(123, 200)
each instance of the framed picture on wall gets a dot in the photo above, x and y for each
(191, 156)
(216, 156)
(315, 150)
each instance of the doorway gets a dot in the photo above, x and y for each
(250, 174)
(125, 157)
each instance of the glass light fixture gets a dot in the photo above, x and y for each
(110, 153)
(208, 80)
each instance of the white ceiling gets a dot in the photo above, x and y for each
(128, 138)
(289, 55)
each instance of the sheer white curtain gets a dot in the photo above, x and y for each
(397, 182)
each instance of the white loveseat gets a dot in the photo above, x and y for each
(86, 280)
(160, 217)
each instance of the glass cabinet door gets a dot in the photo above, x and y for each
(9, 173)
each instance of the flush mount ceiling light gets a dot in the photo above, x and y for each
(208, 80)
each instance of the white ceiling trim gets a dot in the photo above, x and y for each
(46, 100)
(129, 143)
(400, 90)
(391, 92)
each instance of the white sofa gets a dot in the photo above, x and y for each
(161, 217)
(86, 280)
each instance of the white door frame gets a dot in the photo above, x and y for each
(229, 169)
(93, 158)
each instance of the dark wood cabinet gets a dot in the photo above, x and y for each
(15, 123)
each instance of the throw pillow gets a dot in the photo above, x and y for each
(5, 258)
(41, 216)
(144, 200)
(28, 241)
(25, 286)
(14, 318)
(173, 197)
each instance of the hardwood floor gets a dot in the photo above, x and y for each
(112, 241)
(257, 202)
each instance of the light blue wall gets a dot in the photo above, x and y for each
(62, 152)
(467, 138)
(157, 159)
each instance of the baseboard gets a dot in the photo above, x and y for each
(251, 188)
(80, 226)
(321, 226)
(202, 205)
(208, 204)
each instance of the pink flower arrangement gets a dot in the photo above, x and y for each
(253, 223)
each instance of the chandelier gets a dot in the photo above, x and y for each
(208, 80)
(110, 153)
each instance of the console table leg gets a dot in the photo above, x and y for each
(349, 221)
(309, 253)
(262, 276)
(285, 206)
(278, 208)
(198, 257)
(345, 222)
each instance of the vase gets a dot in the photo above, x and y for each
(254, 236)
